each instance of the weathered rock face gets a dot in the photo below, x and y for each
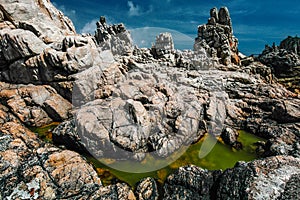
(35, 62)
(285, 62)
(147, 96)
(147, 189)
(35, 105)
(113, 37)
(39, 17)
(270, 178)
(217, 37)
(163, 44)
(144, 112)
(127, 105)
(291, 44)
(32, 169)
(229, 136)
(190, 182)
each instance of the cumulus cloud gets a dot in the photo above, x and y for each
(134, 10)
(89, 27)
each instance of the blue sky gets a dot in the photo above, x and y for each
(255, 23)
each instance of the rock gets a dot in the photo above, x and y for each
(66, 134)
(142, 114)
(286, 111)
(284, 61)
(266, 179)
(194, 60)
(147, 189)
(113, 37)
(217, 37)
(247, 61)
(229, 136)
(55, 67)
(17, 43)
(95, 82)
(32, 169)
(190, 182)
(224, 17)
(41, 18)
(269, 178)
(163, 44)
(291, 44)
(117, 191)
(214, 14)
(35, 105)
(292, 188)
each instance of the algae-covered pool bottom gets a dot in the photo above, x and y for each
(221, 156)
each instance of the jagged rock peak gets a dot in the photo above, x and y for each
(113, 37)
(104, 31)
(221, 17)
(217, 37)
(291, 44)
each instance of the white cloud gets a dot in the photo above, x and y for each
(89, 27)
(134, 10)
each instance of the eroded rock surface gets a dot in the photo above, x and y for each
(129, 102)
(39, 17)
(284, 61)
(35, 105)
(269, 178)
(32, 169)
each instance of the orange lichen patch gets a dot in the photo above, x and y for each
(19, 131)
(131, 196)
(235, 59)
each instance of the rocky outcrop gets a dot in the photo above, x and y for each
(153, 108)
(32, 169)
(217, 37)
(229, 136)
(270, 178)
(130, 102)
(163, 45)
(285, 62)
(40, 64)
(35, 105)
(144, 112)
(39, 17)
(147, 189)
(291, 44)
(190, 182)
(113, 37)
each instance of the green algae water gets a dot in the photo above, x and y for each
(45, 132)
(221, 156)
